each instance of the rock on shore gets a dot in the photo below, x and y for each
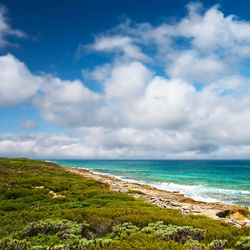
(234, 215)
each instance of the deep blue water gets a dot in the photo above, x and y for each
(206, 180)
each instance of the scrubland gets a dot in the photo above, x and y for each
(43, 206)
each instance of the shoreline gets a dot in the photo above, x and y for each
(235, 215)
(222, 187)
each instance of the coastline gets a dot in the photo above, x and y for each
(235, 215)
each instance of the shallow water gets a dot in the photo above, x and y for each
(205, 180)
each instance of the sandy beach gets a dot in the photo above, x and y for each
(235, 215)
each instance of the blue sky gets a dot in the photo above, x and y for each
(56, 28)
(125, 79)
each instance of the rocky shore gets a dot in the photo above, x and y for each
(234, 215)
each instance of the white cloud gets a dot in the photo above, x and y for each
(99, 74)
(127, 81)
(207, 31)
(17, 84)
(67, 103)
(6, 30)
(166, 104)
(213, 31)
(190, 66)
(122, 143)
(141, 114)
(119, 44)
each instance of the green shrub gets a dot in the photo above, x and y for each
(180, 234)
(217, 245)
(55, 234)
(45, 240)
(195, 245)
(61, 227)
(141, 241)
(10, 205)
(16, 193)
(12, 244)
(124, 229)
(243, 243)
(93, 244)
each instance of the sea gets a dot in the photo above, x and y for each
(226, 181)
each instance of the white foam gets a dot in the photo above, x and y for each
(197, 192)
(245, 192)
(201, 192)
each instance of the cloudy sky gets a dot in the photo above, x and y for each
(124, 80)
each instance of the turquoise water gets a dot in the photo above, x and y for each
(204, 180)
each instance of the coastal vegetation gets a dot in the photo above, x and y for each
(43, 206)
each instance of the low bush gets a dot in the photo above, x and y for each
(124, 229)
(13, 244)
(60, 227)
(243, 243)
(55, 234)
(146, 242)
(180, 234)
(217, 245)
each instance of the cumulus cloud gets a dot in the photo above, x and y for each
(200, 108)
(166, 104)
(127, 81)
(192, 67)
(213, 30)
(66, 103)
(17, 84)
(207, 31)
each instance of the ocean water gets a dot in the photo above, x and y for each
(204, 180)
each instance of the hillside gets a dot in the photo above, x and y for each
(43, 206)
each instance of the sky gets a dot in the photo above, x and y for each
(124, 79)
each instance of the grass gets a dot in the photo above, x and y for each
(27, 195)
